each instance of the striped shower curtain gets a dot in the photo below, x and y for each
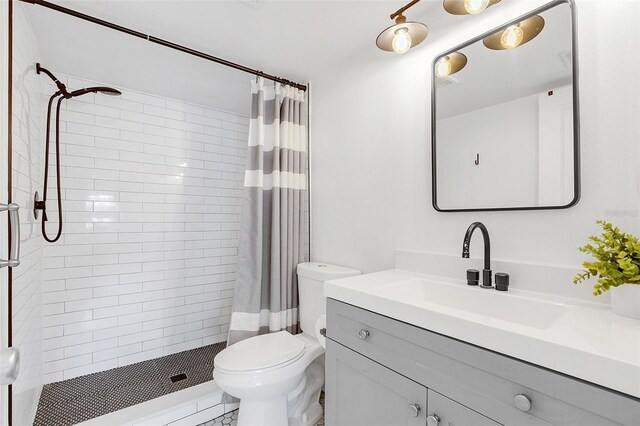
(272, 219)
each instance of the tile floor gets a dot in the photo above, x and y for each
(75, 400)
(230, 419)
(224, 420)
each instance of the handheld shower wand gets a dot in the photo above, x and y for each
(61, 94)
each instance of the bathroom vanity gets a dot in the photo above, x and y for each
(382, 370)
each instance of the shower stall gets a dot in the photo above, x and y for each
(128, 253)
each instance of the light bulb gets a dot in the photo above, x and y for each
(475, 6)
(401, 41)
(512, 37)
(443, 67)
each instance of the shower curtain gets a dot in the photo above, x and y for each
(272, 219)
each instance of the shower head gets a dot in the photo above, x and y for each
(109, 91)
(62, 89)
(98, 89)
(60, 95)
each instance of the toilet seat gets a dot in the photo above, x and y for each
(260, 353)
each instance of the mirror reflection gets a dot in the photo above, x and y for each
(505, 122)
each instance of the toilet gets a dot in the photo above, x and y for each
(278, 377)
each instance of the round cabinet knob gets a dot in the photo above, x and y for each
(523, 403)
(433, 420)
(415, 409)
(363, 334)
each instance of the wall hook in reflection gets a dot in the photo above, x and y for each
(477, 159)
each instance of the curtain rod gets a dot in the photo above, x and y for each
(165, 43)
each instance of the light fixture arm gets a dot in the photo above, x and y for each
(403, 34)
(400, 11)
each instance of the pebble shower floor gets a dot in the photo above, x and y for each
(76, 400)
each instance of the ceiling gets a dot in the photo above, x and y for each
(492, 77)
(291, 39)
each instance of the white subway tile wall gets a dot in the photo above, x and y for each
(28, 120)
(146, 265)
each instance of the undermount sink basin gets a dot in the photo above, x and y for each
(486, 302)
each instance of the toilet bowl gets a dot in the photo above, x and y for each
(278, 377)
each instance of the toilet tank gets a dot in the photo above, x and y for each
(311, 278)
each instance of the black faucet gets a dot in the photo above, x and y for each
(486, 272)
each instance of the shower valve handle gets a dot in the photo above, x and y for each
(39, 205)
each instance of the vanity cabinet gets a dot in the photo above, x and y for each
(368, 394)
(444, 411)
(381, 371)
(365, 393)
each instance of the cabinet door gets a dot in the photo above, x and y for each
(446, 412)
(360, 392)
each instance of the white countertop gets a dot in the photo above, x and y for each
(581, 339)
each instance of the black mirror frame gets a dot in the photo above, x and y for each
(576, 113)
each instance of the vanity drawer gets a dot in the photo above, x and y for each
(480, 379)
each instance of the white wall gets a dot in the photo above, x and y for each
(146, 265)
(525, 153)
(370, 152)
(29, 118)
(555, 148)
(505, 138)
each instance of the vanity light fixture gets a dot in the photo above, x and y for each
(515, 35)
(512, 37)
(403, 35)
(475, 6)
(450, 64)
(467, 7)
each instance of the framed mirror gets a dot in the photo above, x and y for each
(505, 119)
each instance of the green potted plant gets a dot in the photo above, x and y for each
(617, 268)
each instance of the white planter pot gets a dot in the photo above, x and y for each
(625, 300)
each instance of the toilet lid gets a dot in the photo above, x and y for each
(260, 352)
